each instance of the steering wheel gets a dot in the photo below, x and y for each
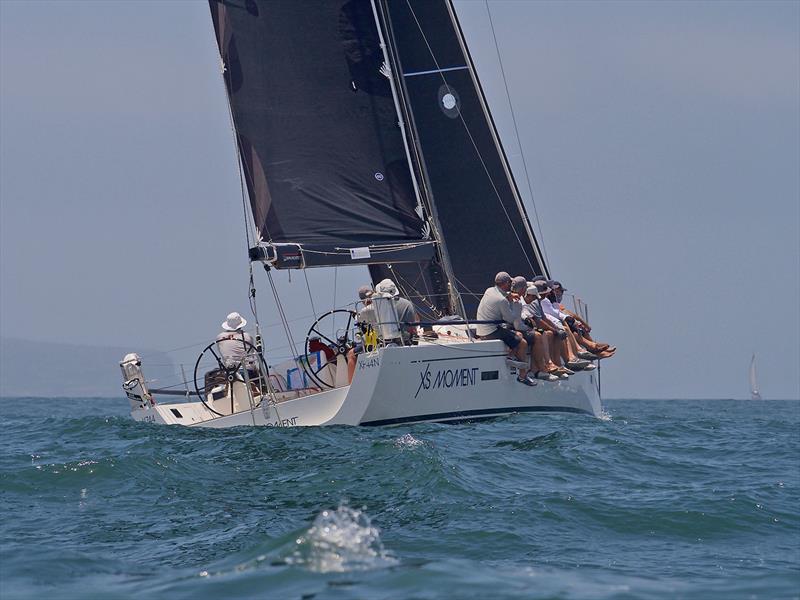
(231, 374)
(339, 347)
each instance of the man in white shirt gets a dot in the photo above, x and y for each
(496, 305)
(551, 312)
(539, 361)
(556, 317)
(237, 348)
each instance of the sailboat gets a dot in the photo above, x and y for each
(754, 393)
(364, 138)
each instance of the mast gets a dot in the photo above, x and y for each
(481, 220)
(416, 164)
(400, 122)
(373, 145)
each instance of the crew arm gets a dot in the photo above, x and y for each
(413, 328)
(506, 312)
(574, 315)
(547, 324)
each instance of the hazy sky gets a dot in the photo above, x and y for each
(663, 142)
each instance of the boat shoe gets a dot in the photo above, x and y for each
(545, 376)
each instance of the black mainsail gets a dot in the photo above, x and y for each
(317, 130)
(481, 219)
(331, 181)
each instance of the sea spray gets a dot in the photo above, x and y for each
(407, 441)
(341, 540)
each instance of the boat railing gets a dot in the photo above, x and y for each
(580, 307)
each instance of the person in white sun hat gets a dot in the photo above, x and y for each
(236, 346)
(406, 313)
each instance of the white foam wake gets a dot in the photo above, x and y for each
(407, 441)
(341, 540)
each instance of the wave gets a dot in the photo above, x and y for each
(699, 497)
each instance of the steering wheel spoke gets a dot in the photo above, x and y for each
(230, 373)
(339, 347)
(322, 335)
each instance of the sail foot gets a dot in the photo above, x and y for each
(304, 256)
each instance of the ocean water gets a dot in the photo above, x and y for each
(661, 499)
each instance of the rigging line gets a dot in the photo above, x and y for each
(239, 164)
(310, 295)
(335, 281)
(516, 132)
(420, 295)
(251, 292)
(428, 289)
(251, 296)
(467, 290)
(474, 145)
(405, 285)
(205, 342)
(282, 315)
(244, 196)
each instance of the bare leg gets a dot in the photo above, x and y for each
(351, 364)
(597, 344)
(538, 353)
(521, 351)
(594, 347)
(547, 348)
(555, 348)
(564, 347)
(532, 361)
(573, 344)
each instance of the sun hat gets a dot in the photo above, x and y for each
(234, 322)
(501, 278)
(542, 287)
(532, 290)
(387, 286)
(556, 284)
(519, 283)
(364, 292)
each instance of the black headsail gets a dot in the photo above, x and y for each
(317, 130)
(479, 213)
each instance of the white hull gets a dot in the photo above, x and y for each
(393, 385)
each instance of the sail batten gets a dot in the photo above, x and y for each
(435, 71)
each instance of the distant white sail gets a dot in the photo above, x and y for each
(754, 393)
